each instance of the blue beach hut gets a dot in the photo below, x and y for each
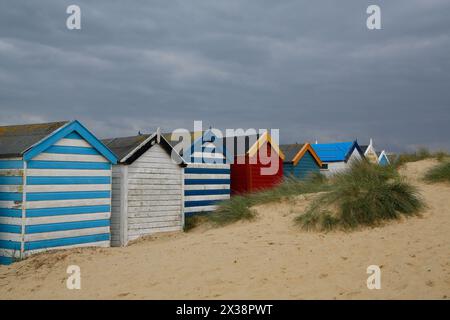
(55, 189)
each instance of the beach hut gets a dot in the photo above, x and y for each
(369, 152)
(147, 187)
(207, 172)
(257, 163)
(337, 157)
(55, 189)
(383, 159)
(374, 156)
(300, 160)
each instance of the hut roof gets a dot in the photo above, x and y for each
(122, 146)
(291, 150)
(294, 152)
(335, 152)
(129, 149)
(15, 140)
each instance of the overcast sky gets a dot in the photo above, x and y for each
(310, 68)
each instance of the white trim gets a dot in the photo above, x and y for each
(11, 172)
(72, 143)
(67, 218)
(103, 244)
(201, 208)
(206, 176)
(65, 234)
(9, 220)
(207, 187)
(68, 173)
(138, 147)
(68, 187)
(123, 229)
(67, 203)
(10, 205)
(70, 157)
(10, 236)
(10, 253)
(207, 197)
(10, 188)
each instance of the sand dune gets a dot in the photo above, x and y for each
(269, 258)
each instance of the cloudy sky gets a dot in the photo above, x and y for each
(310, 68)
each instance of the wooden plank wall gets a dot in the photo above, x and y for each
(206, 180)
(67, 197)
(11, 188)
(154, 201)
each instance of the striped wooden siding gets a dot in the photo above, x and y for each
(65, 193)
(147, 197)
(305, 167)
(204, 186)
(11, 186)
(206, 180)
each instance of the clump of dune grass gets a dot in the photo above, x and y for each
(365, 195)
(420, 154)
(239, 207)
(439, 173)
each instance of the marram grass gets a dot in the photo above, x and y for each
(365, 195)
(439, 173)
(239, 208)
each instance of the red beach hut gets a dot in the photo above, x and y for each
(257, 165)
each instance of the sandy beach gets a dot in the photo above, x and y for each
(269, 258)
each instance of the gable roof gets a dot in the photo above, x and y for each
(382, 155)
(294, 152)
(364, 148)
(252, 144)
(28, 141)
(336, 152)
(129, 149)
(16, 139)
(198, 138)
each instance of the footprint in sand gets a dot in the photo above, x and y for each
(123, 294)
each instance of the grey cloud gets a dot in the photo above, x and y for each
(310, 68)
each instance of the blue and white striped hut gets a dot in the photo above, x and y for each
(55, 189)
(207, 172)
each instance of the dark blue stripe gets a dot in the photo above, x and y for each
(10, 196)
(11, 181)
(10, 228)
(72, 150)
(206, 192)
(48, 212)
(190, 214)
(33, 245)
(206, 181)
(74, 135)
(33, 164)
(208, 160)
(41, 196)
(207, 170)
(51, 227)
(6, 260)
(8, 244)
(200, 203)
(10, 213)
(11, 164)
(67, 180)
